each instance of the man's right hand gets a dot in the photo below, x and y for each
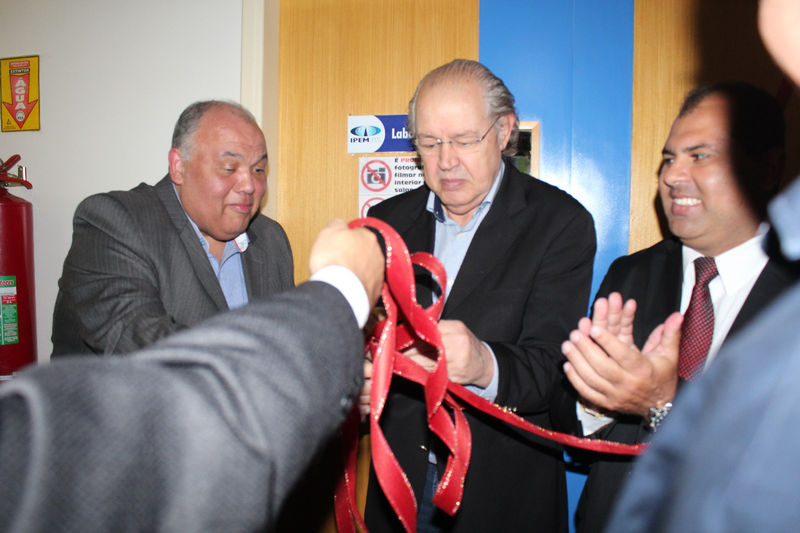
(355, 249)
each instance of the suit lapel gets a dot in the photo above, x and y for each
(194, 249)
(251, 261)
(492, 240)
(254, 264)
(771, 282)
(416, 226)
(419, 237)
(664, 284)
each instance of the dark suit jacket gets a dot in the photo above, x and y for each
(523, 285)
(206, 430)
(740, 471)
(137, 272)
(653, 277)
(726, 458)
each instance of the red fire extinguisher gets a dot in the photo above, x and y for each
(17, 307)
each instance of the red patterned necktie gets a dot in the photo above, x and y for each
(698, 321)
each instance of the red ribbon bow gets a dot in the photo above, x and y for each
(405, 322)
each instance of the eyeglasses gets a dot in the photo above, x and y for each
(462, 144)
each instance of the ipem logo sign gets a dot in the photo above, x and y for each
(378, 133)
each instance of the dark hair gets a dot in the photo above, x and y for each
(756, 117)
(186, 126)
(499, 100)
(758, 131)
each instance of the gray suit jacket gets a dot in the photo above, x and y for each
(136, 271)
(204, 431)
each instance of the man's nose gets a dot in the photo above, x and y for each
(674, 173)
(448, 157)
(245, 182)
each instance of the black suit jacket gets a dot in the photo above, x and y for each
(653, 277)
(136, 271)
(522, 286)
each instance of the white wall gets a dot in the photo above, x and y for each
(114, 76)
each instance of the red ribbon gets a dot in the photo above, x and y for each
(406, 321)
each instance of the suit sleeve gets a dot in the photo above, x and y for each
(109, 283)
(206, 430)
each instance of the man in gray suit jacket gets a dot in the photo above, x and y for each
(150, 261)
(206, 430)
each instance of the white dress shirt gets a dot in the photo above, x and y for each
(738, 269)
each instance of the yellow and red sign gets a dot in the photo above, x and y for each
(19, 77)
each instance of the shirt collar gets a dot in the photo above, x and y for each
(736, 265)
(238, 244)
(434, 204)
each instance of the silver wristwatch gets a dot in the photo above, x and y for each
(657, 415)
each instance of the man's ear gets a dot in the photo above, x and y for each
(506, 126)
(176, 166)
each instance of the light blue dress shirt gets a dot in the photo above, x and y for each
(451, 243)
(229, 270)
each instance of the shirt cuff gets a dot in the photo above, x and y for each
(490, 392)
(591, 420)
(347, 283)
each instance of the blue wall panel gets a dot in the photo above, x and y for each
(570, 67)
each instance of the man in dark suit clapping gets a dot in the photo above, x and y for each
(721, 164)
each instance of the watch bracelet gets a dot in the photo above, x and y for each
(657, 416)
